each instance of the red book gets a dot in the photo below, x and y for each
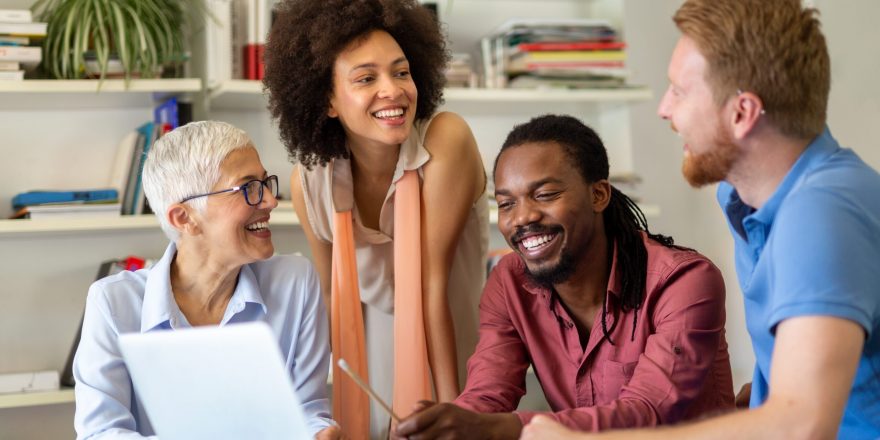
(573, 45)
(250, 61)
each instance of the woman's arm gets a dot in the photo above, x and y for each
(103, 386)
(453, 179)
(321, 251)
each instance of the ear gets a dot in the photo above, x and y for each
(601, 192)
(747, 111)
(331, 112)
(180, 218)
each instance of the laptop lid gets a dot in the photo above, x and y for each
(214, 383)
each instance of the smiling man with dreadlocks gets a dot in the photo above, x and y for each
(622, 327)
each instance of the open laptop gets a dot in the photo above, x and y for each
(214, 383)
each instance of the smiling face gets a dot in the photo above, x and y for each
(374, 95)
(232, 232)
(709, 150)
(546, 210)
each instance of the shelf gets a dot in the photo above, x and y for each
(280, 217)
(108, 86)
(64, 395)
(246, 94)
(89, 93)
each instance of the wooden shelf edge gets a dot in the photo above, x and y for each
(19, 400)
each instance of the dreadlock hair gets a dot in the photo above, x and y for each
(623, 219)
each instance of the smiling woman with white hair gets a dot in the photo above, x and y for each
(213, 199)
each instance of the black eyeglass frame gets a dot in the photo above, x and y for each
(244, 192)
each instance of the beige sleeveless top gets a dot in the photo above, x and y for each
(374, 250)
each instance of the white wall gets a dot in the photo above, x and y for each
(693, 216)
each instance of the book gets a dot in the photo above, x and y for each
(6, 40)
(67, 210)
(34, 29)
(570, 55)
(30, 382)
(218, 43)
(137, 154)
(570, 45)
(7, 66)
(22, 54)
(41, 197)
(16, 16)
(249, 55)
(122, 162)
(11, 75)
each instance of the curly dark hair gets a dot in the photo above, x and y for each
(622, 218)
(306, 38)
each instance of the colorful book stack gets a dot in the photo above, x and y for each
(564, 53)
(17, 32)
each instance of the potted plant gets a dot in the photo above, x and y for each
(129, 38)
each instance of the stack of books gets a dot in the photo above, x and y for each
(18, 32)
(67, 203)
(563, 53)
(460, 72)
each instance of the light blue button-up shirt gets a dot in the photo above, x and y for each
(283, 292)
(814, 249)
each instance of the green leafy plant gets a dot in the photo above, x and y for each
(144, 35)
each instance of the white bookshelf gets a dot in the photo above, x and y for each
(249, 94)
(37, 94)
(97, 86)
(24, 227)
(20, 400)
(283, 216)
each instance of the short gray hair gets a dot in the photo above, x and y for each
(186, 162)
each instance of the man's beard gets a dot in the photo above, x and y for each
(712, 166)
(558, 273)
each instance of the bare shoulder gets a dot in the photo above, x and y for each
(449, 136)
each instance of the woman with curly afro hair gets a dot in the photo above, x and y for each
(390, 193)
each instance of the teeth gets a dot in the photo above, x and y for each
(389, 113)
(257, 226)
(533, 242)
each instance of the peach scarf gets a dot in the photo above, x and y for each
(351, 406)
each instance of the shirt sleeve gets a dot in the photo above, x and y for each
(688, 318)
(496, 371)
(312, 355)
(825, 248)
(103, 387)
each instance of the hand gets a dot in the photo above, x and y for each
(545, 428)
(743, 396)
(431, 420)
(330, 433)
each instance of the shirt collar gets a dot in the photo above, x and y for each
(816, 152)
(160, 307)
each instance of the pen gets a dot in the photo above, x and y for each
(344, 366)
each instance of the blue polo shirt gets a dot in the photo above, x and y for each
(814, 250)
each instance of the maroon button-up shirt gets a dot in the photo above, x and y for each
(676, 368)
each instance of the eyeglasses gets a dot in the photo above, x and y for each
(251, 190)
